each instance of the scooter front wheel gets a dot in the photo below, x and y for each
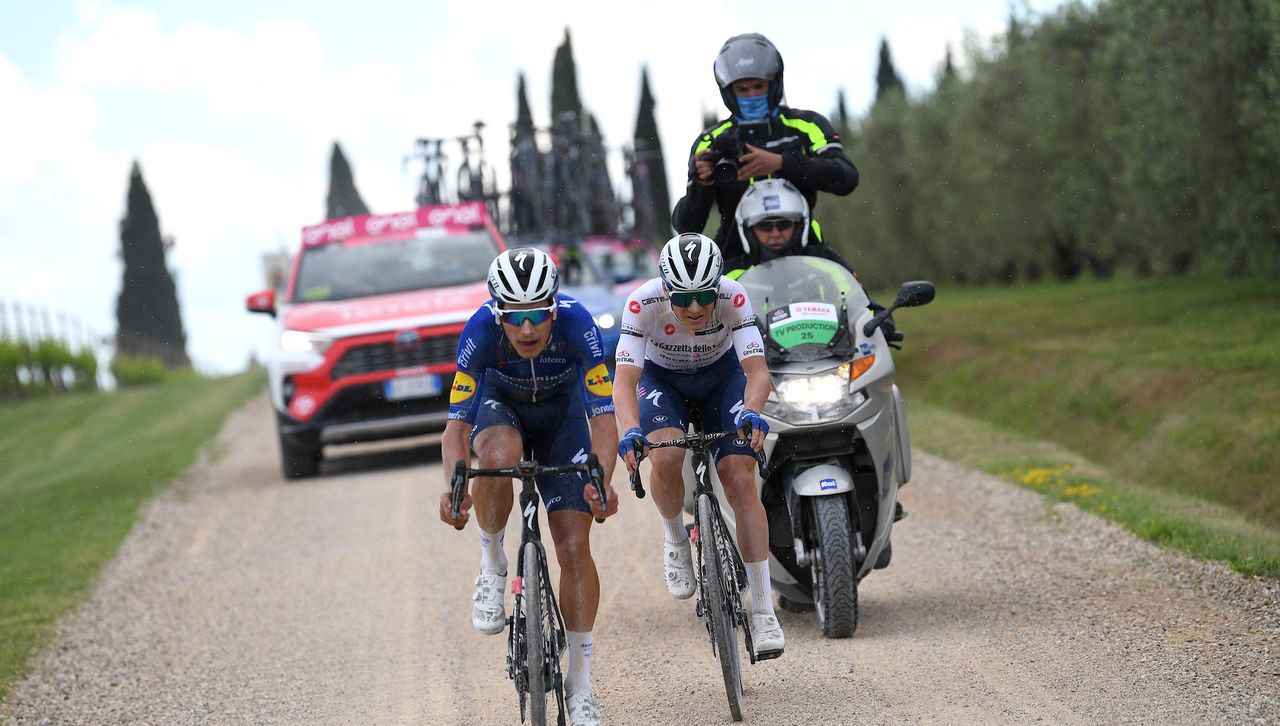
(834, 569)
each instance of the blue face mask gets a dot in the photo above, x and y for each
(753, 108)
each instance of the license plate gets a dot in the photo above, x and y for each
(411, 387)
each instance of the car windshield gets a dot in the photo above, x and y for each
(342, 271)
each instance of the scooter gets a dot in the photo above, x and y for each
(838, 446)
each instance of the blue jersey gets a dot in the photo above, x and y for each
(574, 356)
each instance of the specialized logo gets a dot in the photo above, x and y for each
(491, 403)
(580, 457)
(597, 380)
(669, 329)
(530, 512)
(653, 397)
(735, 408)
(520, 258)
(634, 306)
(464, 387)
(739, 300)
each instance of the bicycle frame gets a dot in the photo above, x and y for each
(518, 669)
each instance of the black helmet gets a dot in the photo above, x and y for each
(748, 56)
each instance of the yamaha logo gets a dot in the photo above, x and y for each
(407, 338)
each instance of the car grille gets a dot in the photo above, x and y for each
(389, 356)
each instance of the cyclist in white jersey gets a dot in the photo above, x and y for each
(689, 337)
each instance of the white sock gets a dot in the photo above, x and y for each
(761, 589)
(673, 529)
(577, 678)
(492, 558)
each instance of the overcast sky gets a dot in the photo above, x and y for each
(231, 110)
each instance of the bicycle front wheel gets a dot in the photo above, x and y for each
(718, 601)
(542, 651)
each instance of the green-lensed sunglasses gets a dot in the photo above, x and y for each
(685, 299)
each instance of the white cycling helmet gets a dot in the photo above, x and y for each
(772, 198)
(690, 261)
(523, 275)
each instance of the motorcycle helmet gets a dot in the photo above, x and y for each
(523, 275)
(772, 198)
(748, 56)
(690, 262)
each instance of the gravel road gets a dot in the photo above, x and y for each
(245, 599)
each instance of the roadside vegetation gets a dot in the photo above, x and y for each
(74, 472)
(1153, 402)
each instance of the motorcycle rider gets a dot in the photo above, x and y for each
(689, 337)
(531, 365)
(798, 145)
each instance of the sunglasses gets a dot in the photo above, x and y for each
(685, 299)
(767, 225)
(537, 316)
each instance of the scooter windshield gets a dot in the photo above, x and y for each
(801, 302)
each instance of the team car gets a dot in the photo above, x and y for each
(365, 340)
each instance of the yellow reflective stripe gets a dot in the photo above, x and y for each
(735, 274)
(707, 139)
(816, 138)
(817, 229)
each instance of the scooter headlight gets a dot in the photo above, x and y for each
(810, 399)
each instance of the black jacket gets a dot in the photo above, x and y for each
(812, 159)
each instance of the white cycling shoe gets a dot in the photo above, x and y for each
(583, 710)
(767, 635)
(677, 562)
(487, 614)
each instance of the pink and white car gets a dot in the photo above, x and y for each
(366, 335)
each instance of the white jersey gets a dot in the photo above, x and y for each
(651, 331)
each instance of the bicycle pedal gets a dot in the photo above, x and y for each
(768, 655)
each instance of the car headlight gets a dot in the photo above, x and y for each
(297, 341)
(606, 321)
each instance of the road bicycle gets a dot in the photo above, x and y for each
(475, 178)
(535, 629)
(430, 184)
(719, 573)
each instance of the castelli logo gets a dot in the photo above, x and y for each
(669, 329)
(634, 306)
(739, 300)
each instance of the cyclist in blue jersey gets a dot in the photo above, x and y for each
(531, 366)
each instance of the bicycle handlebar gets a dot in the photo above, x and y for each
(525, 468)
(696, 441)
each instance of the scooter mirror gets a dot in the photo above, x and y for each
(914, 294)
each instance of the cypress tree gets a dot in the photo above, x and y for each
(344, 200)
(887, 78)
(564, 82)
(524, 117)
(650, 170)
(841, 116)
(148, 322)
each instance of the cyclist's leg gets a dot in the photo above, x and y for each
(496, 439)
(663, 416)
(559, 441)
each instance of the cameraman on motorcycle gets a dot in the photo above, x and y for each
(760, 139)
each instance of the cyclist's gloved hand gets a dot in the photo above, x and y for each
(630, 441)
(747, 417)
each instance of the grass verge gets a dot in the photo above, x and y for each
(74, 472)
(1176, 521)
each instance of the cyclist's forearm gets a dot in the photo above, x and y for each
(454, 446)
(625, 406)
(604, 442)
(759, 383)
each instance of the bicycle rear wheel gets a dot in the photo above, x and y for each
(542, 649)
(718, 601)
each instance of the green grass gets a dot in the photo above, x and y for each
(74, 471)
(1171, 388)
